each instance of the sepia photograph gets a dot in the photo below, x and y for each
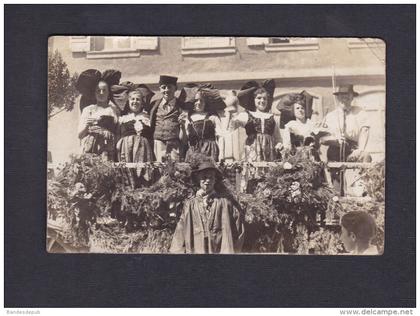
(210, 156)
(216, 145)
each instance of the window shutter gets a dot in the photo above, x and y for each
(207, 42)
(195, 42)
(80, 44)
(220, 42)
(145, 43)
(257, 41)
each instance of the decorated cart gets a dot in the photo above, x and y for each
(289, 206)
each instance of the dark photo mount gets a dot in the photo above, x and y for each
(34, 278)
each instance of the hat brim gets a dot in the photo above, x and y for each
(219, 174)
(213, 100)
(118, 89)
(246, 98)
(187, 95)
(352, 92)
(206, 168)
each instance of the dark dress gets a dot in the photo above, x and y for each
(259, 144)
(134, 147)
(202, 138)
(100, 139)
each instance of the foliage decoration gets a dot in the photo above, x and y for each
(288, 202)
(288, 210)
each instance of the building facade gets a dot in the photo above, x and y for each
(296, 64)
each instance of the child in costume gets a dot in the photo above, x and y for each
(211, 222)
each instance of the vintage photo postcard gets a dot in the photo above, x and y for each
(216, 145)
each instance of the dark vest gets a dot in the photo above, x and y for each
(107, 122)
(253, 126)
(201, 130)
(127, 129)
(165, 125)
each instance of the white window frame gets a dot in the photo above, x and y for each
(79, 44)
(296, 44)
(209, 48)
(114, 52)
(83, 44)
(257, 41)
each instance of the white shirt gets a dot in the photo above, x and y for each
(95, 111)
(354, 120)
(298, 128)
(142, 116)
(241, 119)
(228, 144)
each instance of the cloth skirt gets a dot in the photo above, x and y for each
(101, 143)
(207, 147)
(259, 147)
(135, 148)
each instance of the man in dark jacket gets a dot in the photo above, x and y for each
(164, 116)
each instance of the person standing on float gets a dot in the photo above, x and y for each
(348, 128)
(164, 115)
(263, 133)
(98, 124)
(211, 222)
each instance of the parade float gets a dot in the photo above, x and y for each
(288, 206)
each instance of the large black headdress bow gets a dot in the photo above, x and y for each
(246, 94)
(88, 80)
(286, 102)
(213, 101)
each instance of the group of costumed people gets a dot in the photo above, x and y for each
(122, 121)
(126, 122)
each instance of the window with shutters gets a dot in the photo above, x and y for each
(208, 45)
(112, 46)
(291, 44)
(272, 44)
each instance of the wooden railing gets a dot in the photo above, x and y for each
(241, 177)
(261, 164)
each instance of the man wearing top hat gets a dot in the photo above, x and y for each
(164, 116)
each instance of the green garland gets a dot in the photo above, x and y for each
(287, 211)
(288, 203)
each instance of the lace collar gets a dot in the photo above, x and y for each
(261, 115)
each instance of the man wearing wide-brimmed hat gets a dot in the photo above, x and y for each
(164, 116)
(211, 222)
(349, 130)
(347, 124)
